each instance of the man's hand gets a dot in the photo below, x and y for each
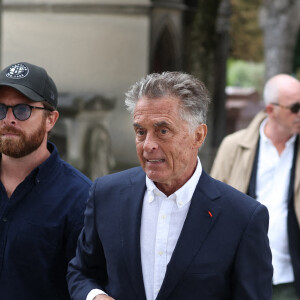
(103, 297)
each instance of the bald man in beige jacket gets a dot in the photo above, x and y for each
(265, 157)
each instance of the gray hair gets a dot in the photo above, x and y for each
(189, 90)
(271, 92)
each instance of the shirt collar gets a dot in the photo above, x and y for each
(45, 169)
(183, 195)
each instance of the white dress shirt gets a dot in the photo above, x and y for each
(272, 183)
(161, 223)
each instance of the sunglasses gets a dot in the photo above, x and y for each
(294, 108)
(22, 111)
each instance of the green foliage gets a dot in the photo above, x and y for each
(245, 74)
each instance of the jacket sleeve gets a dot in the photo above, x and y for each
(253, 271)
(87, 270)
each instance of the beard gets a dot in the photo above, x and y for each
(24, 144)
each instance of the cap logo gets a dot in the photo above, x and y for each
(17, 71)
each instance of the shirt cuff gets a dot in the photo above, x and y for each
(93, 293)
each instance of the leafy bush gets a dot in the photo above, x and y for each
(245, 74)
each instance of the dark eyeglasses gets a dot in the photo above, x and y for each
(22, 111)
(294, 108)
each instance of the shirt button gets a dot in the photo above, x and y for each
(160, 253)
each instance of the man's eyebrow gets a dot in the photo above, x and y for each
(137, 125)
(158, 124)
(162, 123)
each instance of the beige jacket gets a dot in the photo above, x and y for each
(234, 160)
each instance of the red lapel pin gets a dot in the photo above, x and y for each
(210, 214)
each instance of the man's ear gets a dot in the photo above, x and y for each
(200, 135)
(51, 120)
(269, 109)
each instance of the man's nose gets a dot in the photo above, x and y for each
(9, 118)
(150, 143)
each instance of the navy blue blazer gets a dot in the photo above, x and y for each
(222, 253)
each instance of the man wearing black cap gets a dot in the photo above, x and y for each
(42, 198)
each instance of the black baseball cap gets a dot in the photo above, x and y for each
(32, 81)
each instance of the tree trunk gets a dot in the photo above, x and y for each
(280, 22)
(208, 44)
(220, 63)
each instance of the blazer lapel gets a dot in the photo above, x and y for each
(201, 217)
(131, 202)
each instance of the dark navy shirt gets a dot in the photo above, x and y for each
(39, 226)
